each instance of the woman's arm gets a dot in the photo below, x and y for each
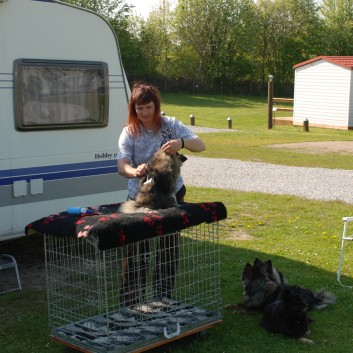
(126, 170)
(193, 145)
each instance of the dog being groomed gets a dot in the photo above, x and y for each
(284, 307)
(157, 188)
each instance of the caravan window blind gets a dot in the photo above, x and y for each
(52, 94)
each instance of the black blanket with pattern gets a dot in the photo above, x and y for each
(113, 229)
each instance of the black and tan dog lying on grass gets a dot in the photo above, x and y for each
(263, 284)
(157, 187)
(289, 314)
(266, 291)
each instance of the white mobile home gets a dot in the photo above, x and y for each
(323, 92)
(63, 99)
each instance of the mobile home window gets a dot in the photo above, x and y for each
(52, 94)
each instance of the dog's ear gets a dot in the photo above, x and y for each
(257, 262)
(182, 158)
(247, 271)
(269, 266)
(261, 270)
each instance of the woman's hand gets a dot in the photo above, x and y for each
(125, 169)
(172, 146)
(193, 145)
(141, 170)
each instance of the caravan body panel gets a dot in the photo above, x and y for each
(47, 168)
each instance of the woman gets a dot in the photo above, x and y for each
(146, 132)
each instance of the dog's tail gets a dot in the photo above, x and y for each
(323, 298)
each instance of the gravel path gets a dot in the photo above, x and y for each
(311, 183)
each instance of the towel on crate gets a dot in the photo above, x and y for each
(114, 229)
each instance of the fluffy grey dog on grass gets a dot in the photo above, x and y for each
(157, 187)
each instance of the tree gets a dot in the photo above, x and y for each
(127, 29)
(158, 38)
(288, 34)
(223, 44)
(221, 36)
(107, 8)
(133, 55)
(338, 27)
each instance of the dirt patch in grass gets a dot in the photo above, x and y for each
(238, 235)
(340, 147)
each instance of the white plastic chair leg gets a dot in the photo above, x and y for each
(346, 220)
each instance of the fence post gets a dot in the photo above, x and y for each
(270, 101)
(192, 119)
(229, 120)
(306, 125)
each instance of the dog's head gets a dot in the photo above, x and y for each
(272, 272)
(264, 265)
(254, 276)
(163, 164)
(163, 170)
(294, 301)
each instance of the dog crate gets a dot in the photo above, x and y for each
(133, 295)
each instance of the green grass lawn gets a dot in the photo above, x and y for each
(213, 111)
(251, 140)
(302, 237)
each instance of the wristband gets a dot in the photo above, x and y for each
(182, 143)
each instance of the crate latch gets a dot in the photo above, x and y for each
(171, 335)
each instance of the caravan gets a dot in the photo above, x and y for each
(63, 103)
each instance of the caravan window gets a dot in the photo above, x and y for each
(51, 94)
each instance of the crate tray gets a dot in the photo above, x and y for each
(136, 329)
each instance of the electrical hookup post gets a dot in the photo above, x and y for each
(270, 101)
